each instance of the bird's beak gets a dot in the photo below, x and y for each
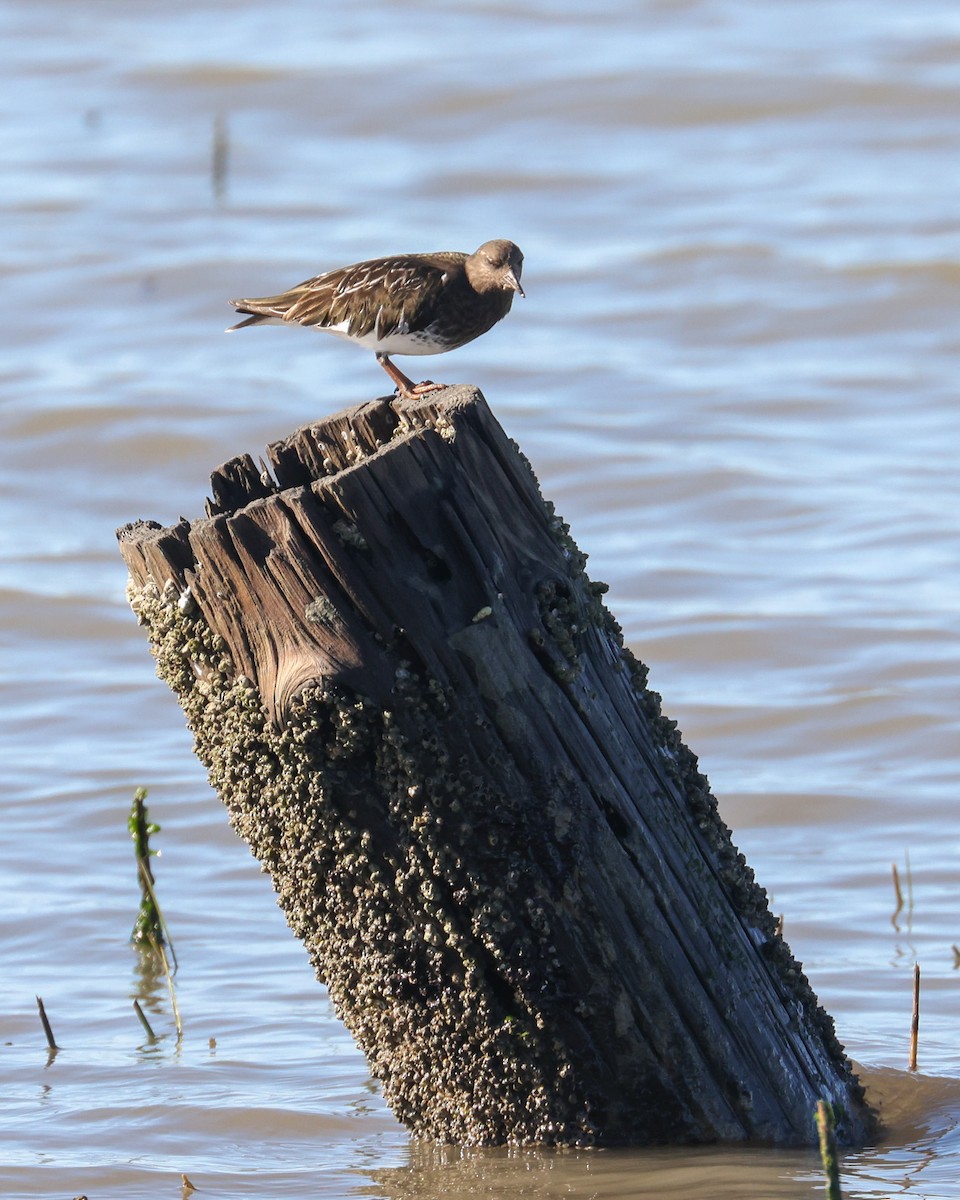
(515, 283)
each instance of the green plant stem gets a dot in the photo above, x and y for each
(148, 926)
(828, 1150)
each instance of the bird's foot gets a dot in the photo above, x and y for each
(424, 389)
(406, 388)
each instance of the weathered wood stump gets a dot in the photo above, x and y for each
(504, 862)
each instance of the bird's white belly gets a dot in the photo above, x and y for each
(393, 343)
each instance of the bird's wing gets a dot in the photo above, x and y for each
(386, 295)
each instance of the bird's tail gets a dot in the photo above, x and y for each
(254, 318)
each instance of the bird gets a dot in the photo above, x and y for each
(402, 304)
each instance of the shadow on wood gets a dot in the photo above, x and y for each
(502, 859)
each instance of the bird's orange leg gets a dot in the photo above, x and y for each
(406, 387)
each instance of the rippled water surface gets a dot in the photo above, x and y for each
(735, 374)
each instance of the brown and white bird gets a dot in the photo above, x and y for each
(405, 304)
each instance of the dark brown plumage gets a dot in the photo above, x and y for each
(405, 304)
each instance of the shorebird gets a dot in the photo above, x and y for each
(404, 304)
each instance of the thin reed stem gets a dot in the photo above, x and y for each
(158, 947)
(44, 1021)
(898, 894)
(161, 932)
(915, 1021)
(828, 1150)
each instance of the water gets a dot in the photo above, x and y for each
(735, 376)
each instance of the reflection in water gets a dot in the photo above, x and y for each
(593, 1175)
(919, 1114)
(220, 158)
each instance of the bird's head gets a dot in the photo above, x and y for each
(496, 266)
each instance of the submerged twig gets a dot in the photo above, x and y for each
(143, 1020)
(44, 1021)
(898, 895)
(915, 1021)
(828, 1150)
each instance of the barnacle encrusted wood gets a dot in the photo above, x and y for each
(504, 862)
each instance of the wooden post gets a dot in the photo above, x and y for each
(503, 860)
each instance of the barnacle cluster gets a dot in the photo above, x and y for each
(359, 815)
